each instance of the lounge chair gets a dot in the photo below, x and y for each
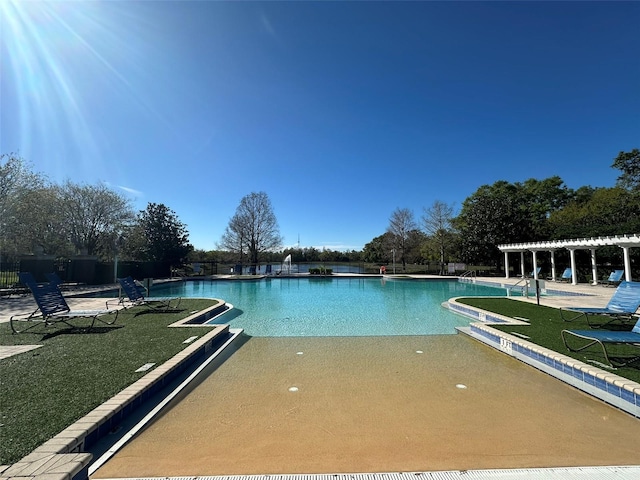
(603, 338)
(535, 272)
(53, 308)
(566, 275)
(27, 278)
(622, 306)
(615, 278)
(136, 295)
(56, 280)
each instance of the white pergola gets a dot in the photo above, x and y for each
(623, 241)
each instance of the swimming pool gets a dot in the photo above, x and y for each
(343, 307)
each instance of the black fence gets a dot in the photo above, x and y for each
(88, 270)
(81, 270)
(9, 274)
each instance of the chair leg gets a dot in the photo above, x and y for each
(571, 319)
(591, 342)
(106, 322)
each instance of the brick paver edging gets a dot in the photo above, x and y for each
(63, 457)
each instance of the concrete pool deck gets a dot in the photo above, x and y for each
(597, 296)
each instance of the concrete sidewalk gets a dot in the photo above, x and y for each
(24, 304)
(561, 294)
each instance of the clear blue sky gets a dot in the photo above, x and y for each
(340, 111)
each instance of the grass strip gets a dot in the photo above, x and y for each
(545, 327)
(45, 390)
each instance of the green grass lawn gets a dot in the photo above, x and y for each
(545, 327)
(45, 390)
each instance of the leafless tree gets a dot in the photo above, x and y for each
(401, 224)
(93, 216)
(436, 222)
(253, 228)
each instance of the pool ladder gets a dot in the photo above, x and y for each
(468, 276)
(525, 286)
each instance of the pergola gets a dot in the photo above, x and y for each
(623, 241)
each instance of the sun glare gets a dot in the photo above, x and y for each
(63, 66)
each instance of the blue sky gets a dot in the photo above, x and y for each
(340, 111)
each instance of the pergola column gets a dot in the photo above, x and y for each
(627, 263)
(594, 267)
(574, 272)
(522, 263)
(535, 264)
(506, 264)
(553, 265)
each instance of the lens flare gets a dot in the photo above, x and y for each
(65, 64)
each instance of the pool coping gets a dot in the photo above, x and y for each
(597, 382)
(64, 456)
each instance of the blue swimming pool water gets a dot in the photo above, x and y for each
(289, 307)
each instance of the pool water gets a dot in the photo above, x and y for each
(299, 307)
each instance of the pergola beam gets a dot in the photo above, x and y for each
(625, 242)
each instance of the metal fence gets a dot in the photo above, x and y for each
(88, 270)
(9, 273)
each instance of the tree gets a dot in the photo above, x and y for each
(42, 226)
(508, 213)
(491, 216)
(17, 182)
(607, 211)
(377, 250)
(437, 225)
(629, 164)
(400, 224)
(159, 236)
(415, 240)
(253, 228)
(540, 198)
(93, 217)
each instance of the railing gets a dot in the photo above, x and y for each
(519, 285)
(468, 276)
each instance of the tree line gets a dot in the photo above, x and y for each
(38, 216)
(504, 213)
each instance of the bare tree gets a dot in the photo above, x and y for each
(93, 216)
(253, 228)
(437, 225)
(401, 224)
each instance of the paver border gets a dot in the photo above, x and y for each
(597, 382)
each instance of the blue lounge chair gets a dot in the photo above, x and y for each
(603, 338)
(535, 272)
(53, 308)
(135, 294)
(54, 278)
(27, 278)
(566, 275)
(622, 306)
(615, 278)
